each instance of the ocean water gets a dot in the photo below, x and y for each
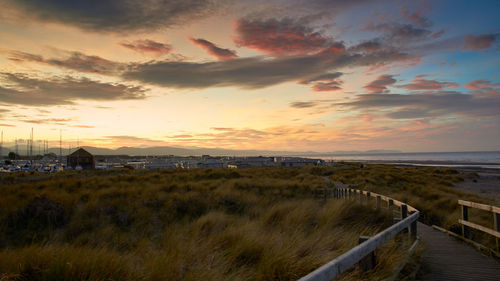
(485, 159)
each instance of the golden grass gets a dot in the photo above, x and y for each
(250, 224)
(430, 190)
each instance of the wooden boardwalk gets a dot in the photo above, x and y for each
(446, 258)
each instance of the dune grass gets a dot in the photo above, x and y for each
(430, 190)
(213, 224)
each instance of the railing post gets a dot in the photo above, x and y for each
(369, 261)
(390, 203)
(496, 218)
(361, 197)
(379, 201)
(404, 211)
(465, 217)
(404, 214)
(413, 228)
(368, 194)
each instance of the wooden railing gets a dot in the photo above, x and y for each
(342, 263)
(466, 223)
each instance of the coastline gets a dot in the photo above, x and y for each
(482, 179)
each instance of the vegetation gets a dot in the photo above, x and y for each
(248, 224)
(430, 190)
(212, 224)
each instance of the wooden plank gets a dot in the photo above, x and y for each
(480, 227)
(479, 206)
(478, 246)
(447, 259)
(335, 267)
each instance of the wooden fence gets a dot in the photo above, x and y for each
(466, 223)
(334, 268)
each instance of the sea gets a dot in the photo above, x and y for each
(475, 159)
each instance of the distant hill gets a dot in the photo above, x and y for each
(196, 151)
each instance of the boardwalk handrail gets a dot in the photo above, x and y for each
(345, 261)
(464, 221)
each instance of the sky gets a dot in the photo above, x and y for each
(297, 75)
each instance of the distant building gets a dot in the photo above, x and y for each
(297, 162)
(81, 158)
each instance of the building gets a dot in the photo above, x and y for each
(81, 158)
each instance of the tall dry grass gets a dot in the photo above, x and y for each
(213, 224)
(430, 190)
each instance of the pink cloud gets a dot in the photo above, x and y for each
(284, 36)
(327, 86)
(325, 83)
(213, 50)
(148, 46)
(481, 84)
(428, 85)
(480, 42)
(437, 34)
(380, 84)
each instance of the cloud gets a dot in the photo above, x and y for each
(148, 46)
(57, 121)
(437, 34)
(428, 85)
(481, 84)
(212, 49)
(252, 72)
(127, 140)
(399, 31)
(327, 86)
(416, 17)
(22, 89)
(117, 16)
(249, 73)
(323, 77)
(480, 42)
(83, 126)
(369, 46)
(303, 104)
(74, 61)
(6, 125)
(325, 83)
(433, 104)
(282, 37)
(380, 84)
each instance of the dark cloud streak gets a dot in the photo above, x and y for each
(21, 89)
(148, 46)
(212, 49)
(116, 16)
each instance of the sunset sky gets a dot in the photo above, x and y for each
(301, 75)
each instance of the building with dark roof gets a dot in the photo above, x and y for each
(82, 158)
